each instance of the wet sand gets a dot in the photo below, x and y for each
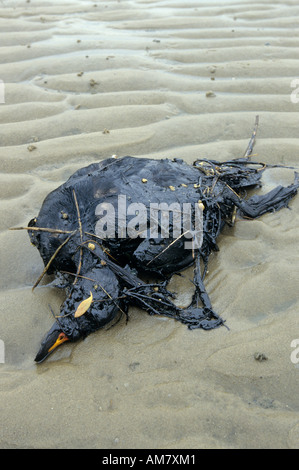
(142, 70)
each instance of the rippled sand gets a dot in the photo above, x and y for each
(142, 70)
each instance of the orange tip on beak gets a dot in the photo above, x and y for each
(61, 339)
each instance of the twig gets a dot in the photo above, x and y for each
(81, 236)
(78, 213)
(42, 229)
(78, 275)
(252, 140)
(93, 235)
(52, 258)
(165, 249)
(101, 247)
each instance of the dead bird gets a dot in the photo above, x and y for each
(103, 274)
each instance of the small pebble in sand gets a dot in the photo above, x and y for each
(259, 356)
(31, 147)
(210, 94)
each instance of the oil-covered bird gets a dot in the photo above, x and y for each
(102, 274)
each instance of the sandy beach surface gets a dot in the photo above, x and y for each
(84, 80)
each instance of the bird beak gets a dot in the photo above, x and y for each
(54, 338)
